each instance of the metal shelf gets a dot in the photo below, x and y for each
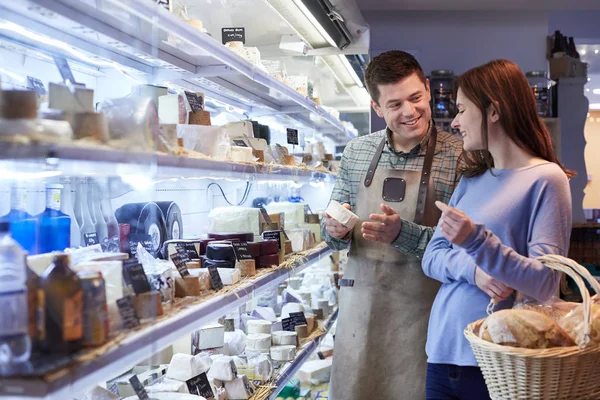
(43, 159)
(141, 344)
(134, 34)
(293, 367)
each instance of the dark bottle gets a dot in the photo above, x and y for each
(572, 49)
(63, 297)
(559, 49)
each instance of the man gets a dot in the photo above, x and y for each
(391, 180)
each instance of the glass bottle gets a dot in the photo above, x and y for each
(558, 49)
(112, 225)
(94, 200)
(15, 344)
(22, 224)
(89, 236)
(63, 319)
(54, 226)
(66, 206)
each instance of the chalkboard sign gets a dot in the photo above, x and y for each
(145, 240)
(138, 278)
(189, 249)
(273, 235)
(288, 324)
(233, 35)
(292, 136)
(242, 252)
(90, 239)
(200, 386)
(180, 260)
(128, 314)
(36, 85)
(215, 278)
(64, 69)
(139, 389)
(239, 143)
(196, 102)
(298, 318)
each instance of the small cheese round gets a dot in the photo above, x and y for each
(259, 342)
(283, 353)
(281, 338)
(259, 326)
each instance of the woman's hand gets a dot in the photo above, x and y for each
(493, 288)
(454, 224)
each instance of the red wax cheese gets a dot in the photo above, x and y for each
(268, 260)
(242, 237)
(269, 247)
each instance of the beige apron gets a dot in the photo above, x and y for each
(385, 299)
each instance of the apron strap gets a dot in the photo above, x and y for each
(374, 162)
(426, 175)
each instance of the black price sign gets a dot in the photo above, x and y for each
(273, 235)
(239, 143)
(215, 278)
(242, 252)
(200, 386)
(128, 314)
(145, 240)
(196, 102)
(164, 3)
(180, 260)
(90, 239)
(37, 86)
(233, 35)
(298, 318)
(113, 388)
(292, 136)
(189, 249)
(137, 278)
(64, 69)
(140, 391)
(288, 324)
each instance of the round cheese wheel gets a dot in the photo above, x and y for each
(243, 237)
(259, 342)
(203, 244)
(219, 264)
(282, 338)
(259, 326)
(220, 252)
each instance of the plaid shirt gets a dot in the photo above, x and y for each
(355, 162)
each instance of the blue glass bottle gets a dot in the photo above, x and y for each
(54, 226)
(22, 224)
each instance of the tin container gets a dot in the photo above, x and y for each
(95, 312)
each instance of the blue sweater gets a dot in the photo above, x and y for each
(519, 214)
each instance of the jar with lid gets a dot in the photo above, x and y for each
(442, 94)
(540, 85)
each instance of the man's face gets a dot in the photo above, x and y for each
(404, 106)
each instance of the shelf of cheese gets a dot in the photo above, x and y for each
(39, 160)
(133, 37)
(100, 364)
(287, 371)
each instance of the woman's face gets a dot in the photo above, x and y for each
(468, 121)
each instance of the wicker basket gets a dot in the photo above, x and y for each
(547, 374)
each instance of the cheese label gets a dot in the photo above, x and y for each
(190, 249)
(139, 389)
(239, 143)
(137, 277)
(298, 318)
(273, 235)
(288, 324)
(127, 312)
(233, 35)
(90, 239)
(292, 136)
(200, 386)
(37, 85)
(242, 252)
(196, 102)
(145, 240)
(215, 278)
(180, 260)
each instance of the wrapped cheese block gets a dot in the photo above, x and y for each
(315, 372)
(240, 129)
(185, 366)
(241, 154)
(294, 212)
(266, 313)
(209, 140)
(291, 308)
(281, 338)
(342, 214)
(187, 286)
(302, 331)
(283, 353)
(238, 219)
(235, 343)
(223, 369)
(295, 282)
(209, 337)
(168, 386)
(247, 267)
(259, 326)
(148, 305)
(261, 367)
(239, 388)
(203, 276)
(259, 341)
(523, 328)
(229, 276)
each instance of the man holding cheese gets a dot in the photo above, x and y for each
(388, 181)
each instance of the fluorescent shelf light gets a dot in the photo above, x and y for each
(315, 23)
(350, 70)
(594, 106)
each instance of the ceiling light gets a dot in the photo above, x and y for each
(596, 51)
(583, 52)
(587, 89)
(350, 70)
(589, 79)
(594, 106)
(315, 23)
(596, 91)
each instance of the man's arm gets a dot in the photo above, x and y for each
(413, 238)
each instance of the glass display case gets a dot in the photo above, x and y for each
(162, 172)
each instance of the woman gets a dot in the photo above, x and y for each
(512, 205)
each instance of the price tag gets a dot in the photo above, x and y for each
(298, 318)
(200, 386)
(139, 389)
(242, 252)
(128, 314)
(288, 324)
(215, 278)
(196, 102)
(137, 278)
(36, 85)
(164, 3)
(145, 240)
(239, 143)
(273, 235)
(64, 69)
(233, 35)
(190, 249)
(292, 136)
(180, 260)
(90, 239)
(113, 388)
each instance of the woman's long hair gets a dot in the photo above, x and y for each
(502, 84)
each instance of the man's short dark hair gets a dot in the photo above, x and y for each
(388, 68)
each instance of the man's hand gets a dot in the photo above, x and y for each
(493, 288)
(455, 225)
(334, 228)
(386, 227)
